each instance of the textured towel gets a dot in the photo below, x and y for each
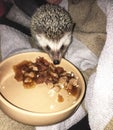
(99, 99)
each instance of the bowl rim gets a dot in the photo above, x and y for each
(11, 105)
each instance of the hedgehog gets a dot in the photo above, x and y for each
(51, 28)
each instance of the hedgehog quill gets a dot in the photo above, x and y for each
(51, 28)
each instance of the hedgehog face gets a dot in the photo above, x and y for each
(51, 26)
(55, 49)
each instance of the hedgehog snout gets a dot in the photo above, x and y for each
(56, 57)
(56, 62)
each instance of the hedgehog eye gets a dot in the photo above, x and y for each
(62, 47)
(48, 48)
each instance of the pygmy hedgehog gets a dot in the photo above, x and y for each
(51, 27)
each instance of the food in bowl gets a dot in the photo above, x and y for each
(42, 71)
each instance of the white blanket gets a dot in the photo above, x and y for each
(99, 97)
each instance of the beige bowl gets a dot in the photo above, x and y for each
(38, 105)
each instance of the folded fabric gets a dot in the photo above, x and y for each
(99, 100)
(13, 41)
(81, 56)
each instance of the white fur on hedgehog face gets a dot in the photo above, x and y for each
(55, 49)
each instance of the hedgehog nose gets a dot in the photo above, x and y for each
(56, 62)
